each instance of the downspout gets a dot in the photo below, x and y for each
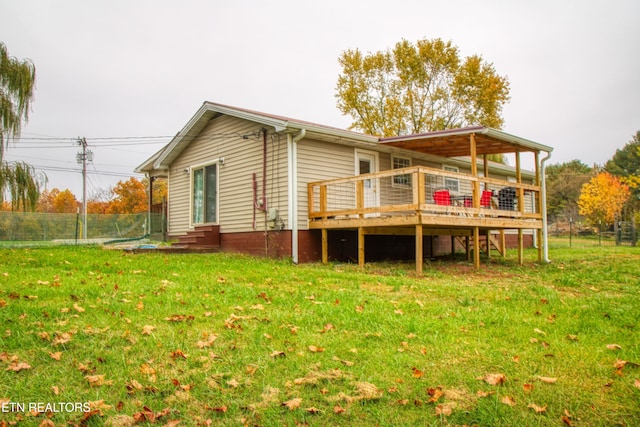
(543, 190)
(151, 179)
(264, 170)
(293, 191)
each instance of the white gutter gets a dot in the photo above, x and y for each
(292, 150)
(543, 192)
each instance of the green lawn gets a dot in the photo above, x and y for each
(102, 337)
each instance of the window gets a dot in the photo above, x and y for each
(204, 205)
(399, 163)
(451, 184)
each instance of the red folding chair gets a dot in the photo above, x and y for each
(485, 198)
(442, 197)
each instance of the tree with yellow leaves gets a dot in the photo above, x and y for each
(601, 199)
(419, 87)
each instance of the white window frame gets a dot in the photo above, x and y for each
(451, 184)
(401, 180)
(192, 169)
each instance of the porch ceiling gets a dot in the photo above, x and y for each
(457, 142)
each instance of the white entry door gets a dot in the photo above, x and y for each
(367, 162)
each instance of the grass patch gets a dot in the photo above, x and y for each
(232, 340)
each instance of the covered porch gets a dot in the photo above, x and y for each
(422, 201)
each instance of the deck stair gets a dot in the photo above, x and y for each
(486, 247)
(203, 237)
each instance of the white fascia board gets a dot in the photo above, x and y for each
(504, 136)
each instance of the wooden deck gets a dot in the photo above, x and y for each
(423, 201)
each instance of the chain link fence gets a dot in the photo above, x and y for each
(18, 229)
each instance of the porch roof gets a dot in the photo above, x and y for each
(456, 142)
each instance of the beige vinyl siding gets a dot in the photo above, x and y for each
(222, 137)
(318, 161)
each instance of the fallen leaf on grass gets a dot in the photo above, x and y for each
(292, 404)
(62, 338)
(148, 415)
(548, 380)
(338, 409)
(97, 380)
(277, 353)
(179, 318)
(315, 349)
(494, 379)
(148, 370)
(435, 393)
(208, 340)
(147, 329)
(99, 405)
(327, 328)
(445, 409)
(636, 383)
(79, 309)
(614, 347)
(56, 356)
(508, 400)
(566, 418)
(527, 388)
(619, 364)
(537, 409)
(344, 362)
(17, 366)
(313, 410)
(178, 354)
(133, 386)
(417, 373)
(221, 409)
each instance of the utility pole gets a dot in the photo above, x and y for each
(82, 158)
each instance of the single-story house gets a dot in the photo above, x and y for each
(247, 181)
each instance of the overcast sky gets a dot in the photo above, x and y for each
(134, 69)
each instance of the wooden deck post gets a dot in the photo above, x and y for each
(419, 249)
(474, 172)
(323, 201)
(476, 247)
(503, 244)
(538, 202)
(520, 247)
(360, 197)
(361, 247)
(325, 246)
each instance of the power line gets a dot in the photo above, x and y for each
(89, 172)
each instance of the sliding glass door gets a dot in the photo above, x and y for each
(204, 204)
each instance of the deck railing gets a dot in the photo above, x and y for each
(422, 190)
